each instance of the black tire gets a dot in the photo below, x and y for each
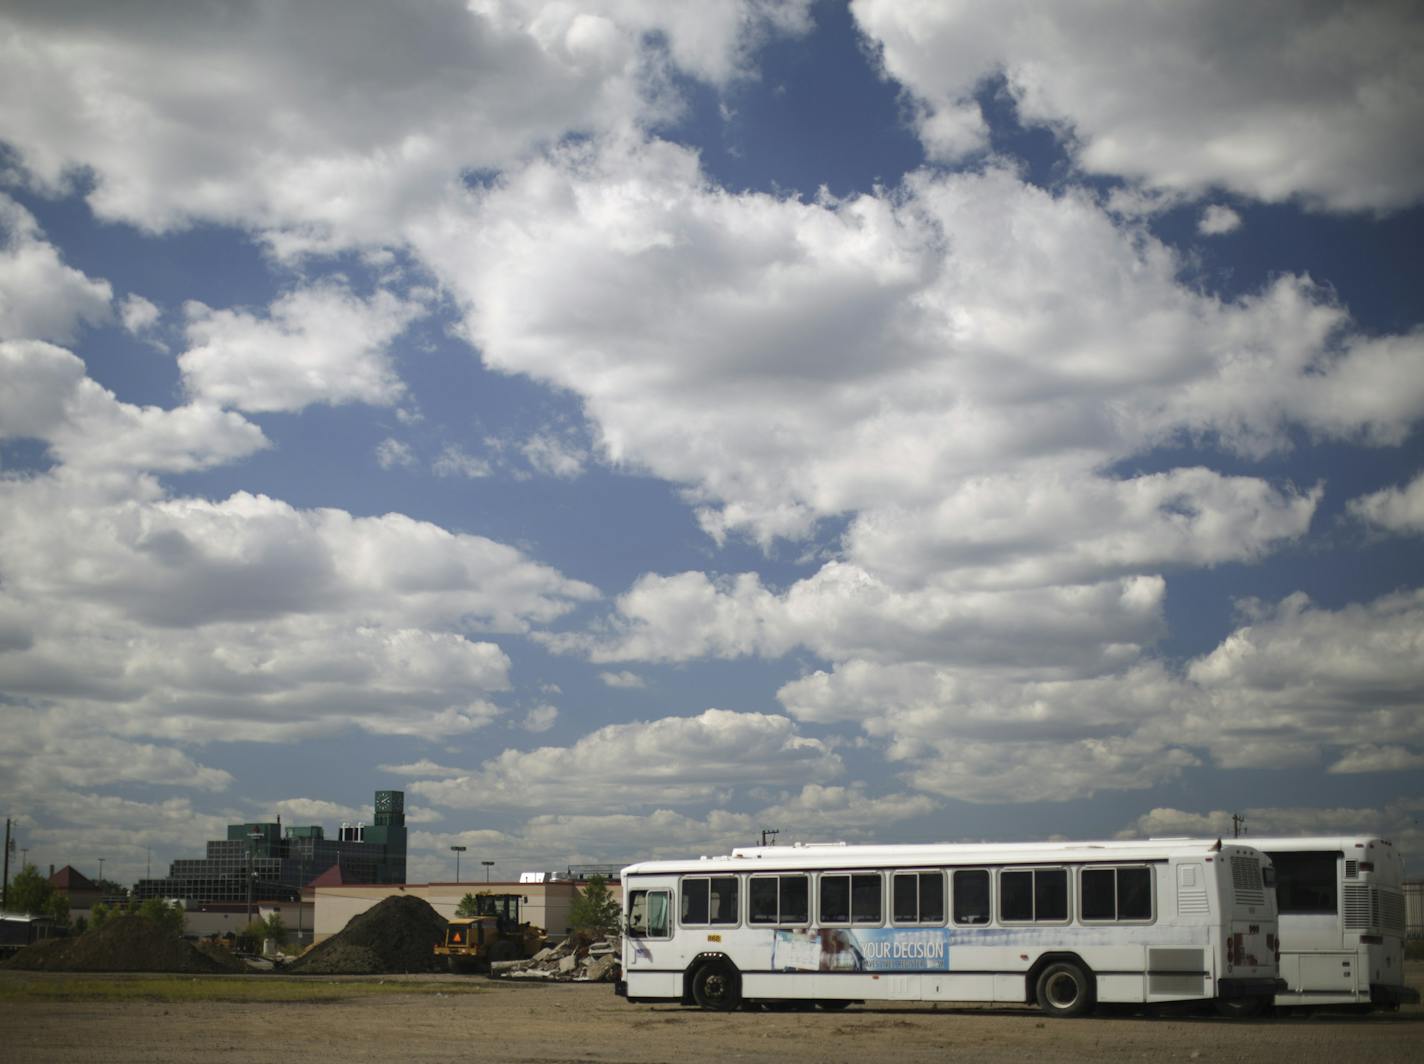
(716, 987)
(1243, 1008)
(1064, 990)
(833, 1006)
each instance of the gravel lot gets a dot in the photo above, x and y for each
(574, 1022)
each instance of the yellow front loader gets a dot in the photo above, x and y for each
(494, 933)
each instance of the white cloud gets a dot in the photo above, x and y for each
(1272, 101)
(1396, 820)
(46, 394)
(1394, 509)
(41, 751)
(391, 453)
(553, 456)
(329, 122)
(813, 813)
(245, 617)
(1217, 220)
(1298, 680)
(789, 362)
(317, 345)
(1295, 686)
(314, 811)
(1368, 757)
(423, 767)
(77, 826)
(622, 679)
(540, 718)
(454, 462)
(40, 297)
(139, 315)
(843, 611)
(675, 760)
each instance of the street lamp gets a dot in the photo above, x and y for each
(458, 850)
(488, 865)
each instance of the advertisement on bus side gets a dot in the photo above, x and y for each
(878, 949)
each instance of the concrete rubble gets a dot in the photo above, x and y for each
(575, 959)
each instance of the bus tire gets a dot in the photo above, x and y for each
(1065, 990)
(715, 987)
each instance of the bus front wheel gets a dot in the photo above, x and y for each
(715, 987)
(1065, 990)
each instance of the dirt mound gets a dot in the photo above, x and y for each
(397, 935)
(126, 943)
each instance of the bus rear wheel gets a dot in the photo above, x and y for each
(715, 987)
(1065, 990)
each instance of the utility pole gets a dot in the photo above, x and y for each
(1238, 825)
(769, 833)
(488, 865)
(252, 837)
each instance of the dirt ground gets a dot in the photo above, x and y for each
(557, 1023)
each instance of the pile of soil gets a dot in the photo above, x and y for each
(127, 943)
(397, 935)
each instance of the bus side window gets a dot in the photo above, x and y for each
(695, 905)
(971, 896)
(835, 899)
(724, 899)
(648, 914)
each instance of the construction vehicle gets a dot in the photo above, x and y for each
(494, 933)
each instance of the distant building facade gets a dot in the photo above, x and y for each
(279, 863)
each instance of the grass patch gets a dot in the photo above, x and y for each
(181, 988)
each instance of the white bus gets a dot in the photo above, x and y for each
(1342, 920)
(1065, 925)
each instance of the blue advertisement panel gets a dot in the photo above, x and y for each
(873, 949)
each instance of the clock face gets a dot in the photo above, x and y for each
(389, 801)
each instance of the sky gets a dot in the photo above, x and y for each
(628, 426)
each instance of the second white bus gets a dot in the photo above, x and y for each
(1062, 925)
(1342, 920)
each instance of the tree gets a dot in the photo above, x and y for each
(99, 916)
(276, 929)
(31, 892)
(594, 910)
(168, 917)
(249, 939)
(470, 904)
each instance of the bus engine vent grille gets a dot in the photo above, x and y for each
(1392, 909)
(1246, 879)
(1352, 869)
(1358, 906)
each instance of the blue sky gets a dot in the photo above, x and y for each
(628, 426)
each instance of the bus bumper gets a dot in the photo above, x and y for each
(1254, 986)
(1387, 994)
